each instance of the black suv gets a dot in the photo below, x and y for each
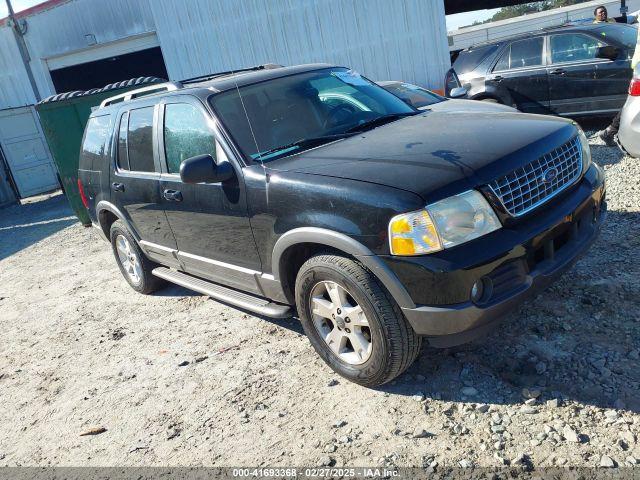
(573, 70)
(312, 188)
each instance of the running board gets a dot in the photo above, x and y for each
(243, 300)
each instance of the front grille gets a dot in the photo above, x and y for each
(530, 186)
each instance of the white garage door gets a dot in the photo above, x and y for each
(26, 151)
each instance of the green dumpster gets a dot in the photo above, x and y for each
(63, 118)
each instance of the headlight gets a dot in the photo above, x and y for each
(444, 224)
(586, 149)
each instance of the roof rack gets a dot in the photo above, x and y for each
(211, 76)
(141, 92)
(112, 86)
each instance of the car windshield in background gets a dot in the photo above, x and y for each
(627, 35)
(289, 114)
(414, 95)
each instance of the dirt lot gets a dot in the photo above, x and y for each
(79, 350)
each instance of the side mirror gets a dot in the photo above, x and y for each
(459, 92)
(608, 52)
(203, 169)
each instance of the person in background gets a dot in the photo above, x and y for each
(602, 15)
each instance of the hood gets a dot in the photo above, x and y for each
(459, 105)
(437, 153)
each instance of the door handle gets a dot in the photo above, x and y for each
(173, 195)
(558, 71)
(117, 187)
(498, 78)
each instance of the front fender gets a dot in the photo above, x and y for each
(346, 244)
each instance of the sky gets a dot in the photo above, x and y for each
(462, 19)
(453, 21)
(17, 5)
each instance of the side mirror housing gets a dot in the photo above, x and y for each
(203, 169)
(459, 92)
(608, 52)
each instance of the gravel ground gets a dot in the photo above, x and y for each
(179, 379)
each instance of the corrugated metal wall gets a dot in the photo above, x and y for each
(62, 30)
(466, 37)
(15, 90)
(383, 39)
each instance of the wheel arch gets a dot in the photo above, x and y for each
(108, 213)
(296, 246)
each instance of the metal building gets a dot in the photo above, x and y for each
(84, 44)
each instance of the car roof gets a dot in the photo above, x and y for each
(227, 82)
(577, 26)
(215, 83)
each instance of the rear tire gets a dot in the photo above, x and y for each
(375, 344)
(136, 268)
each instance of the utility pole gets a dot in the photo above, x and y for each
(18, 31)
(623, 8)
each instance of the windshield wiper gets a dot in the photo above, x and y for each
(379, 121)
(304, 143)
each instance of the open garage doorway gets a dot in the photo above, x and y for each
(98, 73)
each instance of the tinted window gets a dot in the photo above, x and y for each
(627, 35)
(413, 95)
(573, 47)
(94, 145)
(468, 60)
(503, 63)
(123, 158)
(186, 134)
(526, 53)
(310, 108)
(140, 140)
(521, 54)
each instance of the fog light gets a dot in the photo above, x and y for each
(476, 291)
(482, 290)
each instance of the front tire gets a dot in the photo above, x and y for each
(352, 321)
(134, 265)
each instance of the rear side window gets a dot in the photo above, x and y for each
(140, 140)
(186, 134)
(468, 60)
(521, 54)
(123, 158)
(94, 146)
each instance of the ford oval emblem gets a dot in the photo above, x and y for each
(550, 175)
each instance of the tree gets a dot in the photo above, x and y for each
(534, 7)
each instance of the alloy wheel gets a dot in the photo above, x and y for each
(341, 322)
(129, 259)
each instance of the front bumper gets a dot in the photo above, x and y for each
(569, 228)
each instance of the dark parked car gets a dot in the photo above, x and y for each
(424, 99)
(414, 95)
(310, 188)
(573, 70)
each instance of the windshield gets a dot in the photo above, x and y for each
(626, 35)
(414, 95)
(288, 114)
